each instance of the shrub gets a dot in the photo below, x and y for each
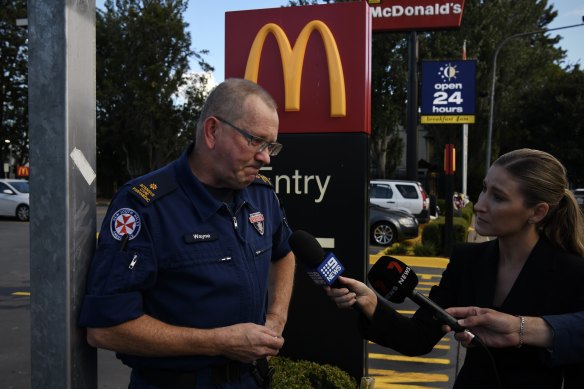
(397, 249)
(421, 250)
(309, 375)
(431, 234)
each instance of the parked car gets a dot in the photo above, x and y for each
(579, 194)
(387, 226)
(14, 198)
(400, 194)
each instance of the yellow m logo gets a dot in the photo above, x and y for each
(293, 60)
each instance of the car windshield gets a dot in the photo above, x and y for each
(21, 186)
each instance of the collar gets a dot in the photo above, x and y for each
(205, 204)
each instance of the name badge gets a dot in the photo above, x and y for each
(197, 237)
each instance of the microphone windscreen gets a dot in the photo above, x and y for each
(392, 279)
(306, 248)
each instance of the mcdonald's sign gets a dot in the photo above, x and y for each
(316, 68)
(22, 171)
(401, 15)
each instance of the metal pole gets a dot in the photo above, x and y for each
(412, 109)
(62, 188)
(494, 77)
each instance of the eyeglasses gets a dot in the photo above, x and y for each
(255, 141)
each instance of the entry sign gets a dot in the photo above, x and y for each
(448, 92)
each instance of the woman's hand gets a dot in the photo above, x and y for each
(354, 293)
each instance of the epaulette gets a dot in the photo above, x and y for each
(262, 180)
(153, 186)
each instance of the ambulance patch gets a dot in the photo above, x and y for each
(125, 221)
(257, 220)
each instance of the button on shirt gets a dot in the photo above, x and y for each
(190, 260)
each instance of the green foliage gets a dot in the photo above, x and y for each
(308, 375)
(433, 233)
(13, 82)
(467, 212)
(425, 250)
(396, 249)
(143, 52)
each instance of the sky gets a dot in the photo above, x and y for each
(207, 26)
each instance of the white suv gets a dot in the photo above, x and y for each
(398, 194)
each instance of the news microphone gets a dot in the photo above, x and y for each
(394, 280)
(323, 268)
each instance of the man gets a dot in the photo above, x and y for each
(561, 335)
(192, 277)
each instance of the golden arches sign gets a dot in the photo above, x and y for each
(293, 61)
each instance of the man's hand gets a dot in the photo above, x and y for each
(248, 342)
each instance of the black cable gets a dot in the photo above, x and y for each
(492, 360)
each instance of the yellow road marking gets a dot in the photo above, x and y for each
(20, 294)
(433, 262)
(403, 358)
(393, 376)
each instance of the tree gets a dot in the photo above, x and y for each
(13, 82)
(143, 52)
(520, 63)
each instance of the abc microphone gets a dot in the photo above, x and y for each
(394, 280)
(323, 268)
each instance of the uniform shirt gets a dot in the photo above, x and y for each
(568, 343)
(167, 248)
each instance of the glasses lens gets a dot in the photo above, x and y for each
(274, 148)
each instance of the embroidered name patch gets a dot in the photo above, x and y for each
(200, 237)
(125, 221)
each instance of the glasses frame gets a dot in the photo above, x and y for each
(273, 148)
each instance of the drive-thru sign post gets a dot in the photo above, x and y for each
(315, 62)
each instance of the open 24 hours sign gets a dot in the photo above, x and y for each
(448, 92)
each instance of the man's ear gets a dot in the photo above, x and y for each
(210, 132)
(539, 212)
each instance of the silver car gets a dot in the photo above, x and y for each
(14, 199)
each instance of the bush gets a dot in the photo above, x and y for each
(309, 375)
(396, 249)
(433, 233)
(421, 250)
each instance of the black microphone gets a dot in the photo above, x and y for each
(323, 268)
(394, 280)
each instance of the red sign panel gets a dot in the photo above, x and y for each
(396, 15)
(314, 60)
(22, 171)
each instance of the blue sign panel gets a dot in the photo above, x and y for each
(448, 92)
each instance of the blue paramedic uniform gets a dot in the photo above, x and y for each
(169, 249)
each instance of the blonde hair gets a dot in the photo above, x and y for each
(543, 178)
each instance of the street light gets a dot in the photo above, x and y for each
(494, 77)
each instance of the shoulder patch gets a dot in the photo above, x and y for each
(262, 180)
(152, 187)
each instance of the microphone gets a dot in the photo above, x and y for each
(323, 268)
(394, 280)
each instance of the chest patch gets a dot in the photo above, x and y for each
(257, 220)
(195, 237)
(125, 221)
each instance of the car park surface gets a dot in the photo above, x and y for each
(387, 226)
(14, 199)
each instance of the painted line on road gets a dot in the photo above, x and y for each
(20, 294)
(403, 358)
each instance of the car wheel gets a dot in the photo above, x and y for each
(22, 213)
(383, 234)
